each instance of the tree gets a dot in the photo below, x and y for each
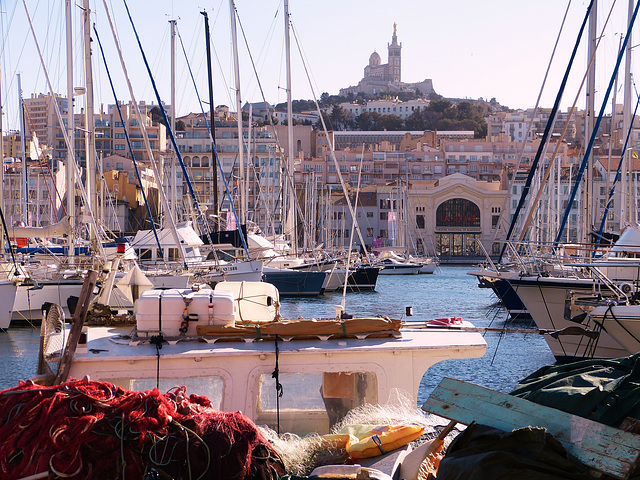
(364, 121)
(156, 115)
(339, 118)
(391, 123)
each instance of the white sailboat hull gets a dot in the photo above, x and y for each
(7, 297)
(622, 322)
(544, 298)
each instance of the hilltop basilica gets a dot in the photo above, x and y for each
(388, 77)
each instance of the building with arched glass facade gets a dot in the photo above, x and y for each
(457, 215)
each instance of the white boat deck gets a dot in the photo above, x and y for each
(116, 342)
(237, 375)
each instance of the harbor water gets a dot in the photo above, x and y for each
(449, 292)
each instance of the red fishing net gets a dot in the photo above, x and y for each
(96, 430)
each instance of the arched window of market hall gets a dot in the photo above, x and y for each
(458, 212)
(458, 229)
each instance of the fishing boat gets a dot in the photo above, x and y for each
(232, 345)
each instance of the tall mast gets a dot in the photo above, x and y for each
(212, 122)
(89, 138)
(172, 180)
(70, 170)
(587, 194)
(626, 122)
(24, 191)
(291, 203)
(236, 69)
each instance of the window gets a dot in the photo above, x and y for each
(369, 232)
(458, 212)
(420, 221)
(384, 215)
(119, 147)
(369, 214)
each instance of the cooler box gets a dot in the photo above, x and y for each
(203, 307)
(256, 302)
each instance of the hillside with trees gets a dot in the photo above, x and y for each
(441, 114)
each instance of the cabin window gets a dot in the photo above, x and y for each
(173, 254)
(322, 397)
(144, 253)
(210, 386)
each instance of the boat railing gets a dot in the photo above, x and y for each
(611, 285)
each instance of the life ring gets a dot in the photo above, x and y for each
(383, 439)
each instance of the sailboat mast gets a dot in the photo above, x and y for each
(92, 193)
(172, 180)
(291, 204)
(236, 69)
(69, 166)
(212, 122)
(23, 147)
(587, 193)
(626, 121)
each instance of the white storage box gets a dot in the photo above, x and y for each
(256, 302)
(202, 307)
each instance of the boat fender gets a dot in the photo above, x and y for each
(384, 439)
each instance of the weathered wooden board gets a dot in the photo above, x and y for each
(598, 446)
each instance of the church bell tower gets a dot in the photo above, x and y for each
(394, 57)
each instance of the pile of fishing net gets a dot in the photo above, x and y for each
(301, 455)
(96, 430)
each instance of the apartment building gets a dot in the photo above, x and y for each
(263, 175)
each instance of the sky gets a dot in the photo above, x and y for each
(493, 49)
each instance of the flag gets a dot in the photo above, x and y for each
(634, 154)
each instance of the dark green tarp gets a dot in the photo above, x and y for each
(605, 391)
(486, 453)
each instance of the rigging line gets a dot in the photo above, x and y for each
(217, 158)
(68, 142)
(549, 170)
(331, 149)
(547, 130)
(596, 127)
(194, 198)
(617, 177)
(266, 44)
(147, 143)
(126, 136)
(290, 175)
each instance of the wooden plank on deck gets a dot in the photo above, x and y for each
(598, 446)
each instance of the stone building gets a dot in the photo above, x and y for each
(387, 77)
